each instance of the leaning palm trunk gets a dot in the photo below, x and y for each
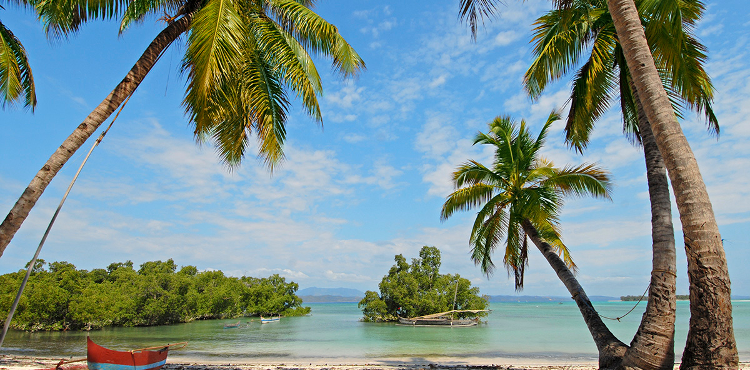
(653, 344)
(710, 340)
(127, 86)
(611, 349)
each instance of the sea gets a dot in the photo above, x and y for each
(545, 332)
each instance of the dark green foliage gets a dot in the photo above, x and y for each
(419, 289)
(158, 293)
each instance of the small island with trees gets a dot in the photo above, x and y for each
(418, 289)
(625, 298)
(61, 297)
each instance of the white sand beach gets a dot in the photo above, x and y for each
(28, 363)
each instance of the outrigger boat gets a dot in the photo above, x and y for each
(151, 358)
(232, 326)
(442, 319)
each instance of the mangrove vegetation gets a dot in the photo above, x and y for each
(61, 297)
(417, 289)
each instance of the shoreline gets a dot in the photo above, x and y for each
(10, 362)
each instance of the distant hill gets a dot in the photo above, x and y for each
(324, 295)
(328, 299)
(537, 298)
(341, 292)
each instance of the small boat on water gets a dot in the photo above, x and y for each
(152, 358)
(442, 319)
(232, 326)
(268, 320)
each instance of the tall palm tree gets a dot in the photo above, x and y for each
(242, 59)
(16, 79)
(710, 340)
(519, 198)
(561, 36)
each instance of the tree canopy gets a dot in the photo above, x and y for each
(419, 289)
(158, 293)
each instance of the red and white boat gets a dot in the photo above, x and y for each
(100, 358)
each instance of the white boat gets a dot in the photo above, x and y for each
(268, 320)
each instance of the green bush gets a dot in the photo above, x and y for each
(419, 289)
(62, 297)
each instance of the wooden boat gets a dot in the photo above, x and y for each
(441, 319)
(152, 358)
(268, 320)
(232, 326)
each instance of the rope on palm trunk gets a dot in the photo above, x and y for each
(52, 222)
(631, 310)
(639, 300)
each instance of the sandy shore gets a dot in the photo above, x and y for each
(28, 363)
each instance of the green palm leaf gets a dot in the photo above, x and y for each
(520, 187)
(16, 79)
(214, 52)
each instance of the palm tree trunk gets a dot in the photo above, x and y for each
(653, 344)
(710, 342)
(135, 76)
(611, 349)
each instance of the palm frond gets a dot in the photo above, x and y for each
(316, 35)
(581, 180)
(231, 135)
(137, 10)
(16, 79)
(214, 51)
(669, 28)
(486, 236)
(560, 37)
(475, 11)
(471, 173)
(628, 100)
(466, 198)
(291, 62)
(64, 17)
(593, 88)
(269, 105)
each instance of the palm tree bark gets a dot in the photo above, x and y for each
(653, 344)
(127, 86)
(611, 349)
(710, 340)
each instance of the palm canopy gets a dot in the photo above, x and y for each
(563, 37)
(242, 59)
(520, 186)
(16, 79)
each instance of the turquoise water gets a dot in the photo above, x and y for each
(541, 331)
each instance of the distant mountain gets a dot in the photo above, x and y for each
(328, 299)
(537, 298)
(325, 295)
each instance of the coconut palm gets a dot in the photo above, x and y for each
(16, 79)
(242, 59)
(519, 198)
(710, 340)
(560, 38)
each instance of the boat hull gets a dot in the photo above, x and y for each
(268, 320)
(100, 358)
(437, 322)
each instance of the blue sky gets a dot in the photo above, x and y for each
(371, 182)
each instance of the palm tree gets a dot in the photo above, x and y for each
(519, 198)
(560, 38)
(710, 340)
(241, 60)
(16, 79)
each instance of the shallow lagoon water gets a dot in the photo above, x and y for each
(550, 331)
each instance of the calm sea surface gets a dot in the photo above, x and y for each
(537, 331)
